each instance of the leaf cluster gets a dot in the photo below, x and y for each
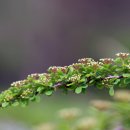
(104, 73)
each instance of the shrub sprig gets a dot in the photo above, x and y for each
(105, 73)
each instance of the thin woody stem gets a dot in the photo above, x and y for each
(59, 84)
(105, 72)
(113, 77)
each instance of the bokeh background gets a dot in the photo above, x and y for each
(36, 34)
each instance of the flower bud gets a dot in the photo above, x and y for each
(106, 60)
(122, 55)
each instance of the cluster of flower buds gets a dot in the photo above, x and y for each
(34, 76)
(46, 75)
(54, 69)
(107, 60)
(19, 83)
(76, 74)
(26, 93)
(90, 62)
(43, 76)
(85, 60)
(9, 97)
(77, 66)
(75, 78)
(105, 81)
(123, 55)
(95, 65)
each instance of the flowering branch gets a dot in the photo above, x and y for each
(105, 73)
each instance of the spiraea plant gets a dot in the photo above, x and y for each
(105, 73)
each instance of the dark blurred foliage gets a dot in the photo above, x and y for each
(35, 34)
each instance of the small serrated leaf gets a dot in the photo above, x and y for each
(85, 86)
(117, 81)
(40, 89)
(15, 104)
(111, 91)
(49, 92)
(126, 75)
(117, 60)
(127, 81)
(78, 90)
(5, 104)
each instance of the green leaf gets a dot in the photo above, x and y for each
(100, 86)
(85, 86)
(83, 90)
(117, 82)
(78, 90)
(70, 84)
(111, 91)
(127, 81)
(40, 89)
(5, 104)
(92, 81)
(126, 75)
(82, 80)
(117, 60)
(15, 103)
(49, 92)
(35, 98)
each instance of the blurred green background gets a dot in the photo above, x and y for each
(36, 34)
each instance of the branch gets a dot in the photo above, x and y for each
(105, 73)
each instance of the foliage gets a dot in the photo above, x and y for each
(107, 72)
